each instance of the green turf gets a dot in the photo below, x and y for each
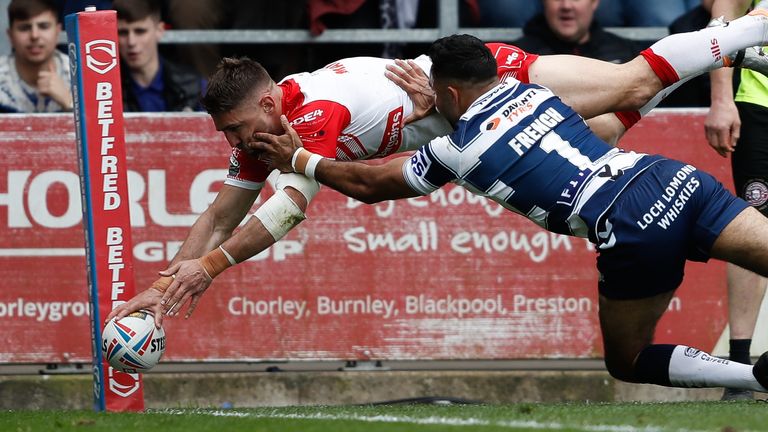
(689, 416)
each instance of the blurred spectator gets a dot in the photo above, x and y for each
(645, 13)
(568, 27)
(197, 15)
(35, 76)
(150, 82)
(5, 44)
(696, 92)
(278, 58)
(506, 13)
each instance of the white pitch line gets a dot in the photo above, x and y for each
(42, 252)
(448, 421)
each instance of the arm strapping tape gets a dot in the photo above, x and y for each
(305, 185)
(279, 214)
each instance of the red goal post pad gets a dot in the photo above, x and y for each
(98, 109)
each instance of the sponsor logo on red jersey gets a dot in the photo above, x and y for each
(308, 117)
(393, 136)
(509, 57)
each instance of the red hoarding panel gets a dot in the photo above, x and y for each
(448, 276)
(104, 178)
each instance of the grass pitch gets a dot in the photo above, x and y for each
(602, 417)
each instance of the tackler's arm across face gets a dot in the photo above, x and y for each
(364, 182)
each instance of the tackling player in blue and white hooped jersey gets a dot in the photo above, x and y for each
(538, 159)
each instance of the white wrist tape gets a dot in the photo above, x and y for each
(314, 159)
(304, 162)
(279, 214)
(295, 156)
(229, 257)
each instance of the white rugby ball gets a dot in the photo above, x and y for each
(133, 344)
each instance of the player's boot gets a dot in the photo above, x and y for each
(752, 58)
(760, 370)
(731, 394)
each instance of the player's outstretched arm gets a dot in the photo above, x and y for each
(283, 211)
(364, 182)
(213, 226)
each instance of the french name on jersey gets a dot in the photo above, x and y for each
(529, 136)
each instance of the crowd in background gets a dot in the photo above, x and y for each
(549, 27)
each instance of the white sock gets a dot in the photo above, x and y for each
(690, 367)
(681, 55)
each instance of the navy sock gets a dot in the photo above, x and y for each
(739, 350)
(652, 364)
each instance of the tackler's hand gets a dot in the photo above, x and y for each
(412, 79)
(277, 149)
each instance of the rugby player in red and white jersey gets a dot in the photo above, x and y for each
(351, 110)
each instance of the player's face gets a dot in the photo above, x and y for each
(570, 19)
(240, 124)
(34, 40)
(138, 42)
(446, 101)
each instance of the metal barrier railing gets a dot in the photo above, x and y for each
(447, 18)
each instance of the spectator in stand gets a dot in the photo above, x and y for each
(35, 76)
(568, 27)
(645, 13)
(505, 13)
(150, 82)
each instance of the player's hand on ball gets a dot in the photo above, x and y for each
(189, 283)
(412, 79)
(148, 299)
(279, 149)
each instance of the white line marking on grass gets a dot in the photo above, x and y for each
(450, 421)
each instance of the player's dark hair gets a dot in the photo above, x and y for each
(233, 81)
(137, 10)
(462, 58)
(25, 9)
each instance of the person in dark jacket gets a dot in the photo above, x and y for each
(150, 82)
(568, 27)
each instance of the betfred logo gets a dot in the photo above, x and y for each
(101, 55)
